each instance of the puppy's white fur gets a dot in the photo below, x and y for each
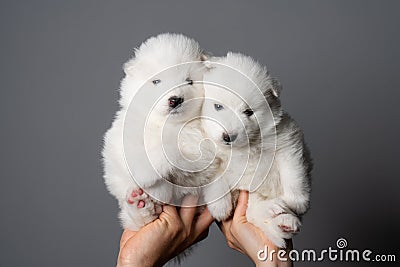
(153, 56)
(276, 206)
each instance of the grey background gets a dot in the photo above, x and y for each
(60, 69)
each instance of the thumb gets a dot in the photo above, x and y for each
(242, 204)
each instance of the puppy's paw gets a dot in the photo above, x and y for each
(272, 231)
(140, 201)
(297, 203)
(275, 207)
(221, 209)
(288, 223)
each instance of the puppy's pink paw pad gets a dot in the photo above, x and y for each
(137, 196)
(288, 223)
(139, 201)
(286, 228)
(141, 204)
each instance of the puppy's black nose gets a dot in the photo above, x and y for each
(229, 137)
(175, 101)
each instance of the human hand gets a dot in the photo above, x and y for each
(246, 238)
(166, 237)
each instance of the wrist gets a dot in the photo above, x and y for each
(272, 255)
(265, 255)
(136, 261)
(134, 264)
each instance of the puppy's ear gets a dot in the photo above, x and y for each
(205, 55)
(275, 87)
(208, 64)
(129, 67)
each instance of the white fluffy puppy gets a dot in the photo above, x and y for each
(261, 146)
(155, 136)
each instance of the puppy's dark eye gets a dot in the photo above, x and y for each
(248, 112)
(155, 82)
(189, 81)
(218, 107)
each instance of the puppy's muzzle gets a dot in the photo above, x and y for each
(228, 138)
(175, 101)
